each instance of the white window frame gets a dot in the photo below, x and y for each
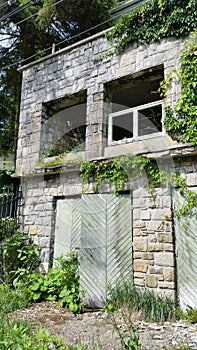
(135, 111)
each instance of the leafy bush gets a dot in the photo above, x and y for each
(151, 307)
(20, 256)
(190, 314)
(19, 262)
(60, 283)
(12, 299)
(8, 226)
(17, 335)
(152, 21)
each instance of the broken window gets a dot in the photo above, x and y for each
(64, 125)
(72, 130)
(136, 106)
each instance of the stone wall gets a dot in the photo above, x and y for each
(153, 242)
(52, 81)
(40, 193)
(76, 69)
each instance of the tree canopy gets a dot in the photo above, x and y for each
(27, 31)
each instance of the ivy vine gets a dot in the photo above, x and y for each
(154, 20)
(181, 122)
(115, 171)
(121, 168)
(46, 161)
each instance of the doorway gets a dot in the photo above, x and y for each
(99, 227)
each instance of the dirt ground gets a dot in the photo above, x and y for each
(96, 328)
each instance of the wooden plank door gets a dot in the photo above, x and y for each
(100, 226)
(186, 254)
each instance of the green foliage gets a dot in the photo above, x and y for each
(29, 35)
(8, 100)
(130, 339)
(6, 170)
(181, 123)
(8, 226)
(17, 335)
(12, 299)
(19, 262)
(189, 196)
(57, 160)
(60, 283)
(190, 314)
(156, 20)
(71, 22)
(152, 21)
(122, 168)
(20, 256)
(5, 178)
(79, 347)
(151, 307)
(115, 171)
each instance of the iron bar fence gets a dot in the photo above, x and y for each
(10, 197)
(10, 202)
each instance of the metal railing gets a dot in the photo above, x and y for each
(10, 198)
(10, 201)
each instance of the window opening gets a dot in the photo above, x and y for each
(135, 105)
(122, 127)
(64, 126)
(150, 120)
(135, 123)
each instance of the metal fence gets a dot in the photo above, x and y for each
(10, 198)
(10, 202)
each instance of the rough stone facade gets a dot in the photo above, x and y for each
(153, 240)
(50, 83)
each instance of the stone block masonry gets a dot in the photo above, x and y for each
(153, 243)
(54, 80)
(73, 76)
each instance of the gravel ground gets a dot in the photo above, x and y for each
(96, 328)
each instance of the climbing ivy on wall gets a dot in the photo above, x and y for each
(115, 171)
(157, 19)
(154, 20)
(181, 122)
(120, 169)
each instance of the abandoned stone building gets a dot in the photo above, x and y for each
(83, 103)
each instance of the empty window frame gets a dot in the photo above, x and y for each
(72, 130)
(64, 125)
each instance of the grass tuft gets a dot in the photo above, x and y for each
(149, 305)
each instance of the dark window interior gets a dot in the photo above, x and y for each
(149, 120)
(122, 127)
(133, 91)
(136, 90)
(66, 124)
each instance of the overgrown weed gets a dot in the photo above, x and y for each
(151, 307)
(12, 299)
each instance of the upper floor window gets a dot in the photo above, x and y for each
(136, 107)
(135, 123)
(64, 125)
